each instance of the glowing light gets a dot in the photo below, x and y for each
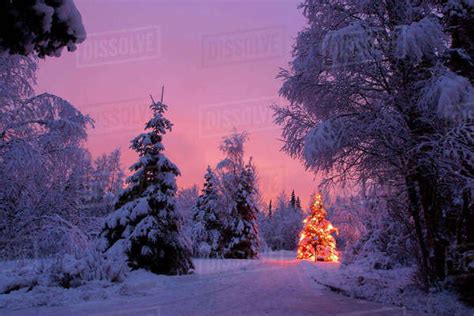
(316, 239)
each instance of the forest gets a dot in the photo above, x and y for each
(379, 111)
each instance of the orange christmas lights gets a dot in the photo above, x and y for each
(316, 242)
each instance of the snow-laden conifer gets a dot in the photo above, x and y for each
(145, 225)
(207, 228)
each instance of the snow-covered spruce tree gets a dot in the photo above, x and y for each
(377, 94)
(207, 226)
(241, 238)
(236, 180)
(145, 225)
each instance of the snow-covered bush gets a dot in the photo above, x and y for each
(66, 271)
(76, 270)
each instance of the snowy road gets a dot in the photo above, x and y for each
(273, 286)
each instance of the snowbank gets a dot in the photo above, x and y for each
(30, 284)
(56, 281)
(394, 287)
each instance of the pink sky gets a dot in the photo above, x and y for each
(217, 60)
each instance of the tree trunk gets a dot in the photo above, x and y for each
(436, 242)
(415, 210)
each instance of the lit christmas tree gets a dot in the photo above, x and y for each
(316, 241)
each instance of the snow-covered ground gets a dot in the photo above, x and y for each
(391, 287)
(275, 284)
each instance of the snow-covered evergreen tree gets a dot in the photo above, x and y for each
(241, 239)
(239, 198)
(316, 239)
(145, 225)
(207, 229)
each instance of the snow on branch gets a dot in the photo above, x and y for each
(448, 95)
(419, 39)
(323, 140)
(353, 44)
